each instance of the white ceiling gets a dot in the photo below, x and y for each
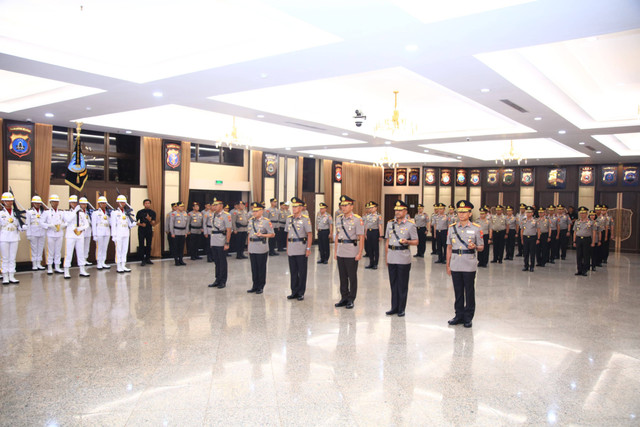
(293, 73)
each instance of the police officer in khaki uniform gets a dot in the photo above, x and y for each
(324, 225)
(464, 239)
(497, 234)
(281, 234)
(373, 230)
(220, 231)
(401, 233)
(167, 226)
(432, 229)
(179, 228)
(511, 234)
(483, 222)
(583, 240)
(542, 250)
(299, 237)
(240, 220)
(207, 216)
(348, 251)
(272, 213)
(529, 238)
(520, 217)
(564, 230)
(422, 222)
(196, 229)
(260, 229)
(441, 224)
(606, 243)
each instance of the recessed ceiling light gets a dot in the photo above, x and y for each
(485, 90)
(458, 157)
(88, 108)
(562, 132)
(288, 148)
(581, 143)
(127, 131)
(311, 155)
(426, 151)
(157, 94)
(387, 142)
(351, 161)
(598, 152)
(345, 133)
(261, 116)
(537, 118)
(48, 114)
(264, 75)
(411, 47)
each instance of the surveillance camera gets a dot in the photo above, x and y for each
(468, 139)
(360, 118)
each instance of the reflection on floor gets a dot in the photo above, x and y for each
(158, 347)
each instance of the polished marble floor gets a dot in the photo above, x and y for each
(158, 347)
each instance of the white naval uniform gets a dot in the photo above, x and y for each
(75, 220)
(101, 227)
(50, 220)
(120, 226)
(36, 234)
(87, 237)
(9, 239)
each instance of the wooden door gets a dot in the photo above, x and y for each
(412, 201)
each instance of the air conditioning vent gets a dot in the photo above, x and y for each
(514, 106)
(306, 126)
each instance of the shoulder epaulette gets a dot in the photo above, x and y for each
(357, 216)
(411, 220)
(451, 225)
(305, 216)
(476, 224)
(290, 216)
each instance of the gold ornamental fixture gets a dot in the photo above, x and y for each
(386, 161)
(395, 126)
(511, 156)
(231, 138)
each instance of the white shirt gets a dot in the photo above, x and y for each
(121, 223)
(100, 223)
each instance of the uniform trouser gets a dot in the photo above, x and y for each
(583, 253)
(54, 250)
(483, 257)
(510, 246)
(464, 289)
(8, 251)
(348, 271)
(554, 245)
(87, 246)
(298, 271)
(519, 245)
(122, 248)
(373, 243)
(399, 280)
(323, 244)
(605, 248)
(144, 243)
(208, 249)
(178, 247)
(77, 244)
(564, 243)
(281, 239)
(102, 245)
(441, 244)
(37, 246)
(195, 243)
(529, 250)
(422, 240)
(433, 240)
(498, 245)
(258, 270)
(240, 243)
(220, 259)
(598, 251)
(272, 242)
(170, 240)
(542, 250)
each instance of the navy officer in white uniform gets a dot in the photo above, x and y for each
(464, 240)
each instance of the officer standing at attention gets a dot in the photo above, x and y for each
(593, 217)
(122, 222)
(36, 233)
(101, 230)
(167, 223)
(498, 232)
(400, 234)
(348, 251)
(179, 228)
(520, 217)
(240, 220)
(260, 229)
(220, 231)
(483, 222)
(432, 228)
(196, 229)
(10, 227)
(542, 251)
(452, 216)
(76, 223)
(564, 230)
(146, 219)
(511, 234)
(529, 236)
(463, 240)
(367, 211)
(281, 235)
(324, 225)
(299, 237)
(273, 214)
(422, 222)
(373, 227)
(441, 224)
(606, 244)
(583, 240)
(602, 235)
(207, 215)
(53, 221)
(553, 234)
(84, 203)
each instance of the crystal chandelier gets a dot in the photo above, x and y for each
(395, 126)
(231, 138)
(385, 161)
(511, 156)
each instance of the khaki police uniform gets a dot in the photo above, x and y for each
(323, 225)
(349, 231)
(220, 231)
(258, 249)
(441, 224)
(542, 250)
(373, 225)
(239, 222)
(529, 237)
(564, 231)
(584, 237)
(399, 261)
(422, 222)
(179, 227)
(498, 232)
(196, 233)
(273, 215)
(297, 229)
(510, 240)
(483, 256)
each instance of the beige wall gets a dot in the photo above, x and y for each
(171, 193)
(19, 174)
(586, 196)
(203, 176)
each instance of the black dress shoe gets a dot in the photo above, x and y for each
(319, 261)
(142, 264)
(300, 298)
(525, 269)
(434, 253)
(341, 303)
(499, 261)
(579, 273)
(222, 285)
(177, 263)
(259, 291)
(585, 274)
(250, 291)
(274, 254)
(292, 296)
(198, 257)
(401, 314)
(531, 269)
(494, 261)
(454, 321)
(214, 285)
(349, 305)
(325, 262)
(552, 262)
(563, 258)
(241, 257)
(374, 267)
(593, 269)
(467, 324)
(149, 262)
(391, 312)
(182, 262)
(369, 266)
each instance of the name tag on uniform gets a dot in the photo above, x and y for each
(471, 232)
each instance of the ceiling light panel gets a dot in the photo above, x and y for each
(538, 148)
(162, 38)
(192, 123)
(21, 91)
(434, 11)
(437, 111)
(592, 82)
(626, 144)
(374, 154)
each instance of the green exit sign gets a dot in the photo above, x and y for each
(218, 181)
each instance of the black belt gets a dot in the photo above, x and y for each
(347, 241)
(583, 237)
(398, 248)
(282, 222)
(197, 228)
(217, 232)
(372, 229)
(178, 228)
(296, 239)
(463, 251)
(529, 237)
(258, 239)
(238, 225)
(324, 229)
